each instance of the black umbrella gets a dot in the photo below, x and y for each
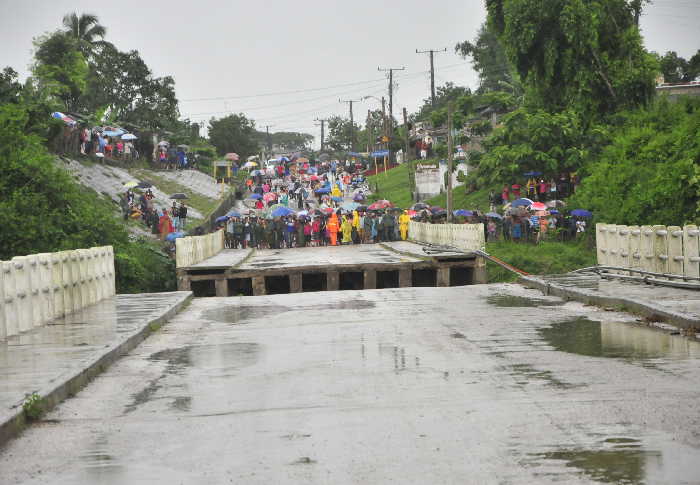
(144, 184)
(361, 208)
(420, 206)
(179, 195)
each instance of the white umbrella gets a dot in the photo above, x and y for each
(129, 136)
(163, 143)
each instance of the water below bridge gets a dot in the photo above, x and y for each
(474, 384)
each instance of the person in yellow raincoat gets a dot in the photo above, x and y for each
(404, 219)
(332, 226)
(346, 229)
(335, 192)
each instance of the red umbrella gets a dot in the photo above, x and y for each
(270, 196)
(232, 156)
(328, 210)
(380, 204)
(314, 177)
(538, 206)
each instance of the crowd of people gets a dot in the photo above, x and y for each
(174, 158)
(162, 222)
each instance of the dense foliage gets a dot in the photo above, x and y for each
(234, 133)
(650, 170)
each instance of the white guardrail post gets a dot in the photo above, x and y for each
(39, 288)
(468, 237)
(691, 251)
(191, 250)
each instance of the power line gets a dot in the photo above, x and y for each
(391, 70)
(432, 71)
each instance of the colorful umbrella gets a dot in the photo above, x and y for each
(282, 212)
(221, 219)
(269, 196)
(538, 206)
(463, 213)
(129, 136)
(381, 204)
(66, 119)
(581, 213)
(249, 164)
(523, 202)
(174, 235)
(232, 156)
(233, 213)
(436, 209)
(131, 185)
(494, 215)
(255, 196)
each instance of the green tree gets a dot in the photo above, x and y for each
(87, 32)
(490, 61)
(572, 53)
(60, 69)
(233, 133)
(443, 95)
(679, 70)
(339, 134)
(289, 141)
(10, 89)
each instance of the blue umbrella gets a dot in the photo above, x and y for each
(221, 219)
(350, 206)
(233, 213)
(581, 213)
(323, 190)
(174, 235)
(494, 215)
(282, 212)
(553, 211)
(255, 196)
(463, 213)
(337, 199)
(257, 172)
(522, 202)
(113, 133)
(532, 174)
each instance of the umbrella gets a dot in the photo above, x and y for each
(113, 132)
(494, 215)
(269, 196)
(303, 213)
(324, 157)
(232, 213)
(284, 159)
(249, 164)
(66, 119)
(358, 197)
(556, 203)
(538, 206)
(581, 213)
(282, 212)
(381, 204)
(463, 213)
(521, 202)
(328, 210)
(99, 155)
(323, 190)
(220, 219)
(532, 174)
(163, 143)
(302, 160)
(420, 206)
(184, 147)
(441, 212)
(129, 136)
(412, 213)
(314, 177)
(336, 199)
(255, 196)
(553, 211)
(179, 195)
(273, 160)
(257, 172)
(144, 184)
(231, 156)
(436, 209)
(131, 185)
(174, 235)
(361, 208)
(350, 206)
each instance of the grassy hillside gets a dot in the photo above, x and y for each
(392, 185)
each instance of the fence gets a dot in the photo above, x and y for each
(657, 249)
(38, 288)
(468, 237)
(195, 249)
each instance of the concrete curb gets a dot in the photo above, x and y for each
(644, 308)
(75, 379)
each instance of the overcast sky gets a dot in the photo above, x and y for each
(328, 49)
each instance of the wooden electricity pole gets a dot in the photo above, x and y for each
(450, 159)
(432, 72)
(407, 158)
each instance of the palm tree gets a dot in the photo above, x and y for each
(86, 30)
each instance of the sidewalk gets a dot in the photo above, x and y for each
(58, 359)
(673, 305)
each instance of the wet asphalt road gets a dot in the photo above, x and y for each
(479, 384)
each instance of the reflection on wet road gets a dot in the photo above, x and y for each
(480, 384)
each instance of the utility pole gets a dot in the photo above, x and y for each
(352, 121)
(450, 159)
(370, 135)
(386, 131)
(407, 158)
(323, 125)
(432, 71)
(391, 70)
(269, 139)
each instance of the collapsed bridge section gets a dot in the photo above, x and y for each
(241, 272)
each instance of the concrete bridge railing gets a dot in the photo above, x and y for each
(38, 288)
(195, 249)
(468, 237)
(657, 249)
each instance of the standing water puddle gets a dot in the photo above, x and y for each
(617, 340)
(506, 301)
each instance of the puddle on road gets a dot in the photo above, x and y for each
(525, 374)
(623, 464)
(222, 356)
(242, 313)
(617, 340)
(507, 301)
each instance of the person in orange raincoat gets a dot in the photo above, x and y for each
(165, 224)
(333, 228)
